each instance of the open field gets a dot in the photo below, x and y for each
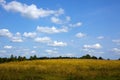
(61, 69)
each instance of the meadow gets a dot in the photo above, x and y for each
(61, 69)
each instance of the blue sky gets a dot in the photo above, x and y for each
(60, 28)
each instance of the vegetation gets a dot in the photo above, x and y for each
(19, 58)
(61, 69)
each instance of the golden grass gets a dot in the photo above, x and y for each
(61, 69)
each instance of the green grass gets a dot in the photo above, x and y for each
(61, 69)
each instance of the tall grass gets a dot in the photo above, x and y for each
(61, 69)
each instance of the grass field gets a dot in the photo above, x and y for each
(61, 69)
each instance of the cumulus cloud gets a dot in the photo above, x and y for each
(12, 37)
(117, 41)
(2, 1)
(93, 52)
(5, 33)
(51, 30)
(51, 51)
(18, 34)
(16, 38)
(8, 47)
(35, 47)
(78, 24)
(100, 37)
(59, 12)
(56, 20)
(33, 51)
(30, 11)
(58, 44)
(42, 39)
(30, 34)
(80, 35)
(94, 46)
(116, 50)
(68, 18)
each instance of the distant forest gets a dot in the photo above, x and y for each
(19, 58)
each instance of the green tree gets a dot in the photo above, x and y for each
(100, 58)
(20, 58)
(33, 57)
(87, 56)
(12, 58)
(94, 57)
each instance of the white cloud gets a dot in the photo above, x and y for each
(80, 35)
(5, 33)
(51, 51)
(29, 34)
(92, 51)
(117, 41)
(58, 44)
(50, 30)
(78, 24)
(68, 18)
(16, 38)
(30, 11)
(94, 46)
(59, 12)
(42, 39)
(33, 51)
(8, 47)
(35, 47)
(56, 20)
(75, 25)
(116, 50)
(18, 34)
(100, 37)
(2, 1)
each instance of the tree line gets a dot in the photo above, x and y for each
(20, 58)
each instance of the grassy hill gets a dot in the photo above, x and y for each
(61, 69)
